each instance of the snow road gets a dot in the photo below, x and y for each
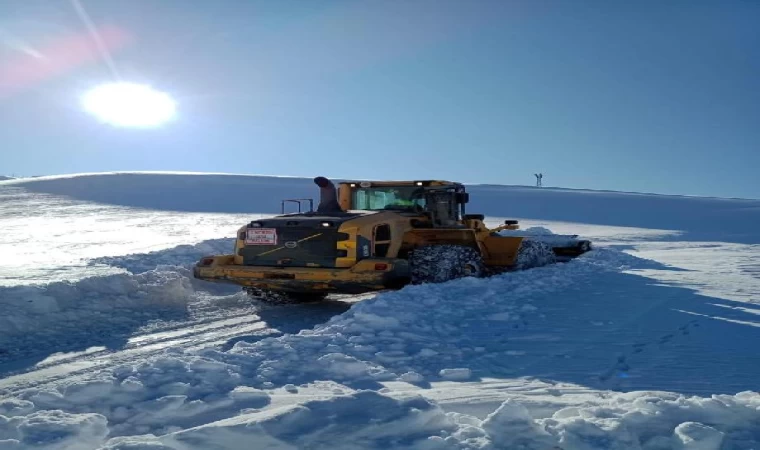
(239, 324)
(107, 342)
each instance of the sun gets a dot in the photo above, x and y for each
(129, 105)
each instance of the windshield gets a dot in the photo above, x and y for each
(377, 198)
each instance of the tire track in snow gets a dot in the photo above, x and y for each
(752, 270)
(58, 368)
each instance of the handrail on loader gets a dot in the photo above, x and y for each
(298, 200)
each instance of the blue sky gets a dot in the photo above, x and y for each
(640, 96)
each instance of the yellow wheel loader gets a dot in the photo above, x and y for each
(369, 236)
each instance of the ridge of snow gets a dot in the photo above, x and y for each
(307, 179)
(169, 173)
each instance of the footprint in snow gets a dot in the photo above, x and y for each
(621, 367)
(685, 329)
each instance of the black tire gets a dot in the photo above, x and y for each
(474, 217)
(441, 263)
(283, 298)
(534, 254)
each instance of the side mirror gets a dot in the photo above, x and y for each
(463, 197)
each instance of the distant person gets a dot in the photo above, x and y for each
(539, 177)
(328, 196)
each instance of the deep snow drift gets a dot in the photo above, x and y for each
(611, 350)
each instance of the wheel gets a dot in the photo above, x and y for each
(474, 217)
(534, 254)
(283, 298)
(440, 263)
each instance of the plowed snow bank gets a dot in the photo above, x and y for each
(371, 420)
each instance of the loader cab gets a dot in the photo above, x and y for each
(442, 203)
(446, 206)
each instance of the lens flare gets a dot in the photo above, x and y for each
(129, 105)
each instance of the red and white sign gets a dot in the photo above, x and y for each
(261, 236)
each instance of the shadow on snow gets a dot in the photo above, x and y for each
(627, 332)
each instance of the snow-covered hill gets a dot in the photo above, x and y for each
(106, 342)
(693, 218)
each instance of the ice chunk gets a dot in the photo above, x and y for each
(696, 436)
(412, 377)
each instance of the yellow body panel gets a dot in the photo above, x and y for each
(500, 250)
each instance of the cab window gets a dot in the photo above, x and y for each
(405, 197)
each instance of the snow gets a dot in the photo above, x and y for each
(54, 238)
(35, 315)
(106, 341)
(459, 374)
(364, 419)
(53, 430)
(369, 419)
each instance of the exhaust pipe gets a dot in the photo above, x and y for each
(328, 196)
